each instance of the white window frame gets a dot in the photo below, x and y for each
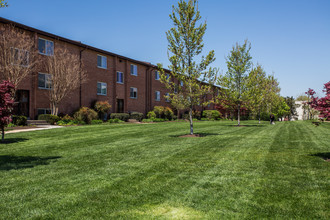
(135, 70)
(157, 77)
(122, 76)
(157, 96)
(47, 79)
(106, 88)
(136, 91)
(40, 38)
(43, 109)
(106, 61)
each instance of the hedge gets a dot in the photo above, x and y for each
(51, 119)
(120, 116)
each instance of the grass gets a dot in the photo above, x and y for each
(145, 171)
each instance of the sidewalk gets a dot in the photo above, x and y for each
(38, 128)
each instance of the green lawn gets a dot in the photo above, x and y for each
(144, 171)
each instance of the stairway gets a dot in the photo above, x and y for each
(37, 123)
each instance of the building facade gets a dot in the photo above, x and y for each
(127, 84)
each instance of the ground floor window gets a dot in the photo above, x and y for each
(133, 93)
(43, 111)
(101, 88)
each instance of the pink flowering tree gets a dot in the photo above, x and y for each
(323, 104)
(310, 94)
(6, 105)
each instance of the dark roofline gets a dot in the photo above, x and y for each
(77, 43)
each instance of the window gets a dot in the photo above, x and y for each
(181, 83)
(157, 96)
(19, 57)
(120, 77)
(43, 111)
(46, 47)
(44, 81)
(167, 97)
(167, 76)
(101, 61)
(134, 70)
(157, 75)
(175, 89)
(101, 88)
(133, 93)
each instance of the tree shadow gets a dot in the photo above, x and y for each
(324, 156)
(10, 162)
(244, 125)
(13, 140)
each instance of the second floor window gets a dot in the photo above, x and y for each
(101, 61)
(46, 47)
(44, 81)
(133, 93)
(134, 70)
(19, 57)
(157, 75)
(120, 77)
(157, 96)
(101, 88)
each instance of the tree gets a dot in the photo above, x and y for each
(17, 55)
(3, 4)
(6, 105)
(292, 105)
(66, 75)
(234, 82)
(185, 45)
(310, 93)
(323, 104)
(257, 89)
(281, 109)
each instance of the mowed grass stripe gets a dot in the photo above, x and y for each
(146, 171)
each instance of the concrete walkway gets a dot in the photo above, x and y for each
(38, 128)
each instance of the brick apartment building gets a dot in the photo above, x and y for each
(127, 84)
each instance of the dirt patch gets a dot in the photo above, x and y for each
(192, 135)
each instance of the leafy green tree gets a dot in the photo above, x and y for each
(290, 101)
(282, 109)
(234, 82)
(257, 90)
(3, 4)
(185, 45)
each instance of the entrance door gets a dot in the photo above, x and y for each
(22, 103)
(120, 105)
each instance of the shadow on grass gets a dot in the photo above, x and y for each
(261, 125)
(13, 140)
(200, 134)
(324, 156)
(9, 162)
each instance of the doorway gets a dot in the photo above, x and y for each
(22, 103)
(120, 105)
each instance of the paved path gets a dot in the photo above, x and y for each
(38, 128)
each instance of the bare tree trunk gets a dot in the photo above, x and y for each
(191, 121)
(259, 116)
(3, 133)
(239, 115)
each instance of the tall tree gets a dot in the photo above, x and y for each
(66, 75)
(234, 82)
(17, 54)
(6, 105)
(257, 90)
(185, 45)
(310, 93)
(290, 101)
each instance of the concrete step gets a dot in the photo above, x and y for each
(37, 122)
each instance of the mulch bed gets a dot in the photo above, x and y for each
(192, 135)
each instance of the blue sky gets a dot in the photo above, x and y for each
(289, 38)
